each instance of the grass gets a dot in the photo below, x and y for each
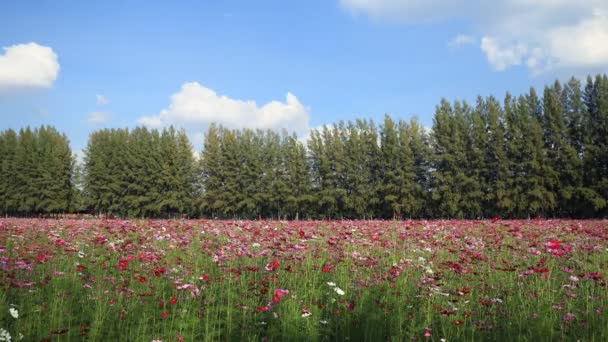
(218, 280)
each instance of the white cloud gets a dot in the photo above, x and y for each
(101, 100)
(585, 42)
(96, 118)
(461, 40)
(195, 106)
(502, 56)
(28, 66)
(542, 35)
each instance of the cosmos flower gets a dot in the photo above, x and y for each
(273, 265)
(306, 313)
(13, 312)
(568, 317)
(4, 335)
(278, 294)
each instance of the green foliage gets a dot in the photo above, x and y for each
(529, 156)
(35, 172)
(139, 173)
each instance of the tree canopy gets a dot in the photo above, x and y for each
(536, 154)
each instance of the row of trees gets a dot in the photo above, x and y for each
(36, 172)
(526, 156)
(139, 173)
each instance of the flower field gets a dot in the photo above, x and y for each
(114, 280)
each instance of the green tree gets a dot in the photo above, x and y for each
(8, 174)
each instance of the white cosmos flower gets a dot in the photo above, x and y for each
(339, 291)
(13, 312)
(81, 254)
(331, 284)
(4, 335)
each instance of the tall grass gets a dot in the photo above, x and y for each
(218, 281)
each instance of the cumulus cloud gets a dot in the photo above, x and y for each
(585, 42)
(542, 34)
(195, 107)
(101, 100)
(96, 118)
(502, 56)
(28, 66)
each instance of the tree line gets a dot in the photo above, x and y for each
(525, 156)
(36, 172)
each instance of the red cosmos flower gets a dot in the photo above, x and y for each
(593, 276)
(179, 338)
(553, 244)
(351, 305)
(41, 258)
(159, 271)
(80, 268)
(273, 265)
(327, 268)
(60, 243)
(100, 240)
(122, 264)
(164, 314)
(140, 279)
(262, 309)
(495, 219)
(204, 277)
(302, 235)
(278, 294)
(146, 256)
(541, 270)
(173, 300)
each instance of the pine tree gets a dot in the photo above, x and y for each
(8, 174)
(28, 172)
(276, 171)
(445, 195)
(596, 145)
(476, 141)
(55, 171)
(392, 169)
(497, 164)
(185, 172)
(212, 171)
(299, 200)
(538, 173)
(564, 163)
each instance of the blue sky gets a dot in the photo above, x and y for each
(84, 65)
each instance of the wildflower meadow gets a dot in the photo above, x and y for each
(196, 280)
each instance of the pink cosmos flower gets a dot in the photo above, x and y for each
(273, 265)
